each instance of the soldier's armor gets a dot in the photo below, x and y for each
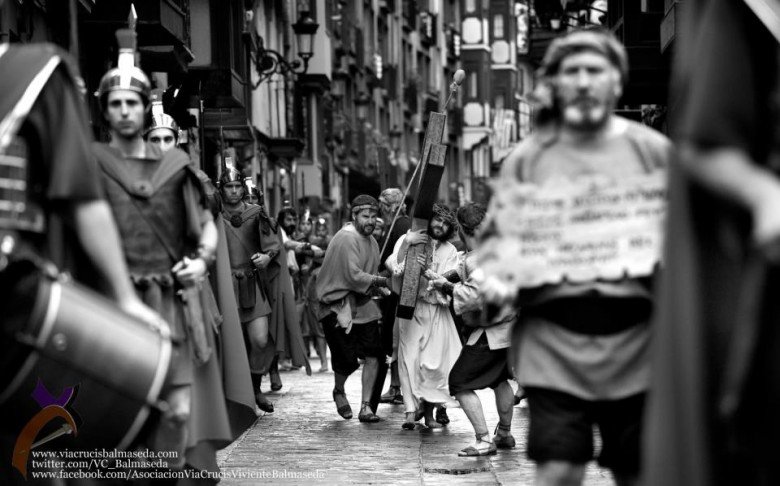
(143, 251)
(21, 213)
(243, 231)
(243, 240)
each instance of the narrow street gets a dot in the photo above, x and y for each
(306, 442)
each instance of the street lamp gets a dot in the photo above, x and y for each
(304, 29)
(267, 61)
(361, 104)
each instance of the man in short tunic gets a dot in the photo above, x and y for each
(583, 348)
(349, 317)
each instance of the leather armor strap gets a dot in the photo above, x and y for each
(10, 124)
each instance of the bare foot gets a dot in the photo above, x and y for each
(432, 424)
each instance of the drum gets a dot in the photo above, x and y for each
(64, 342)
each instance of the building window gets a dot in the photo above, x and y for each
(523, 32)
(524, 116)
(499, 103)
(498, 26)
(237, 50)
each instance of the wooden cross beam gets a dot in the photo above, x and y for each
(433, 157)
(432, 160)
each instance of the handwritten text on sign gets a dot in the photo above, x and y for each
(594, 229)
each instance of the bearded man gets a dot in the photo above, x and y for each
(483, 361)
(428, 344)
(582, 347)
(349, 317)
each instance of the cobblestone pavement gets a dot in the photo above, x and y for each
(306, 442)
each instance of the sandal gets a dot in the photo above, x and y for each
(484, 448)
(344, 409)
(441, 416)
(368, 416)
(503, 441)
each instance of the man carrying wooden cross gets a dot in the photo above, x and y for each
(428, 343)
(582, 344)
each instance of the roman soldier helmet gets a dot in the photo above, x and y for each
(126, 76)
(160, 119)
(230, 173)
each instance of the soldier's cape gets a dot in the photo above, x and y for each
(235, 363)
(284, 327)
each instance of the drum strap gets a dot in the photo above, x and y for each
(13, 120)
(768, 12)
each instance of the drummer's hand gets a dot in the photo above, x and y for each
(190, 271)
(141, 311)
(417, 237)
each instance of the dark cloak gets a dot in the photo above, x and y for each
(727, 71)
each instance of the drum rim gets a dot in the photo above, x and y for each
(163, 363)
(54, 290)
(55, 298)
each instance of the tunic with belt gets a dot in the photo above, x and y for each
(141, 192)
(243, 230)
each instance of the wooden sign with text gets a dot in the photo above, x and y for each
(576, 232)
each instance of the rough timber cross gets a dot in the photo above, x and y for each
(432, 160)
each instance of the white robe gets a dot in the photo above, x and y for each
(428, 344)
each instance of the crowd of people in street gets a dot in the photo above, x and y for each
(240, 293)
